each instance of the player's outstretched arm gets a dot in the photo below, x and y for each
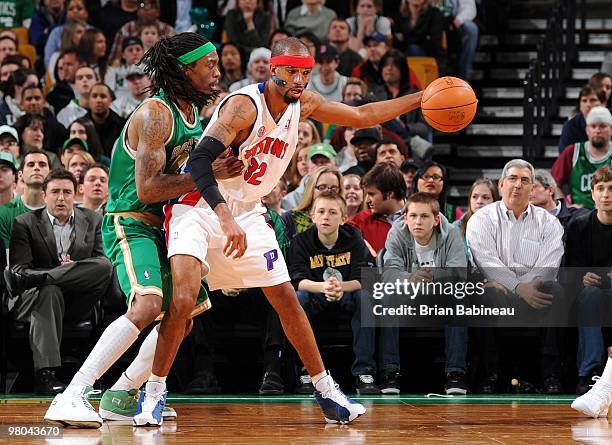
(364, 116)
(238, 114)
(152, 125)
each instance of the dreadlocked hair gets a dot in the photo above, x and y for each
(167, 74)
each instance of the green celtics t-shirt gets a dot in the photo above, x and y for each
(122, 177)
(14, 12)
(8, 213)
(583, 167)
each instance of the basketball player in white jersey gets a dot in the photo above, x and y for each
(259, 124)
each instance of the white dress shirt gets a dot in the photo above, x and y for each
(64, 235)
(512, 250)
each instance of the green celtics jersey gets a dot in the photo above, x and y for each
(583, 168)
(8, 213)
(122, 178)
(14, 12)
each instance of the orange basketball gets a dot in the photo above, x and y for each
(449, 104)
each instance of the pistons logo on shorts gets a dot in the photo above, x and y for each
(261, 131)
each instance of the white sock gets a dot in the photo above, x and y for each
(155, 386)
(320, 380)
(124, 383)
(113, 342)
(158, 378)
(607, 374)
(138, 371)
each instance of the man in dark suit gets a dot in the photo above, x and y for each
(58, 272)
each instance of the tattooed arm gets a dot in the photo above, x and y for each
(152, 125)
(314, 106)
(237, 114)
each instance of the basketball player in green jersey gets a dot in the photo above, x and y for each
(145, 174)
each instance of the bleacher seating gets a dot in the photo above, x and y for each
(425, 68)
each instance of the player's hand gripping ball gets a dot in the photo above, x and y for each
(449, 104)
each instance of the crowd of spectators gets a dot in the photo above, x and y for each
(350, 197)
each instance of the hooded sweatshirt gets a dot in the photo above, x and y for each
(449, 251)
(308, 258)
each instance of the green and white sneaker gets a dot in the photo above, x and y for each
(168, 413)
(121, 405)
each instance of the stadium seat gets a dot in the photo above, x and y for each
(23, 35)
(425, 68)
(48, 83)
(27, 50)
(15, 334)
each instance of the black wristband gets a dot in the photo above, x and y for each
(212, 196)
(200, 165)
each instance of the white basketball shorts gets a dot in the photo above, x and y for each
(195, 231)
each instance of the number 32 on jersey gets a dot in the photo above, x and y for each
(255, 171)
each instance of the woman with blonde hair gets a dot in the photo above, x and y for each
(76, 11)
(308, 135)
(482, 192)
(353, 194)
(298, 219)
(71, 35)
(78, 162)
(297, 172)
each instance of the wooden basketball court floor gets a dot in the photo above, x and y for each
(402, 419)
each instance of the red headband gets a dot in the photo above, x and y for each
(297, 61)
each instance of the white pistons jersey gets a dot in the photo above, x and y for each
(194, 229)
(266, 153)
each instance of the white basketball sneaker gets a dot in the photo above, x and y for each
(336, 407)
(596, 401)
(71, 408)
(150, 408)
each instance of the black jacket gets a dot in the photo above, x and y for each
(33, 250)
(349, 59)
(413, 120)
(110, 19)
(370, 75)
(236, 29)
(307, 257)
(579, 240)
(566, 214)
(109, 130)
(427, 33)
(60, 96)
(55, 133)
(579, 256)
(573, 131)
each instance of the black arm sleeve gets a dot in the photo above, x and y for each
(200, 165)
